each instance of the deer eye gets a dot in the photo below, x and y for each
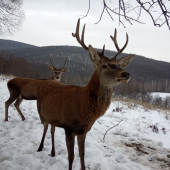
(104, 66)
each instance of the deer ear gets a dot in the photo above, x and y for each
(51, 67)
(64, 69)
(94, 56)
(125, 61)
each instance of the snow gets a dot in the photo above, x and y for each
(132, 145)
(162, 95)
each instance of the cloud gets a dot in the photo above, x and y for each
(52, 22)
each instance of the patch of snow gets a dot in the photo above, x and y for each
(4, 78)
(163, 95)
(132, 145)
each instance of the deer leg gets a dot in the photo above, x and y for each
(81, 142)
(53, 146)
(70, 147)
(43, 137)
(13, 97)
(17, 104)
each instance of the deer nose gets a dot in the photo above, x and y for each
(57, 77)
(126, 75)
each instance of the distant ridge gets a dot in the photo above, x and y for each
(142, 69)
(11, 45)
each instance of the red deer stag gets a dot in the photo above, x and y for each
(76, 108)
(24, 88)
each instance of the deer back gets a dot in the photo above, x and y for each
(27, 87)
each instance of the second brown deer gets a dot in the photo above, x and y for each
(76, 108)
(23, 88)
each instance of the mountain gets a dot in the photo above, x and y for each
(8, 44)
(78, 61)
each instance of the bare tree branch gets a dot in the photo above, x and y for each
(104, 6)
(87, 11)
(164, 11)
(157, 10)
(11, 16)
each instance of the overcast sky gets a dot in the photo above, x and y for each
(50, 23)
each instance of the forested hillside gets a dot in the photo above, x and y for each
(146, 74)
(79, 62)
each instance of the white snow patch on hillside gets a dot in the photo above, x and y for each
(130, 146)
(162, 95)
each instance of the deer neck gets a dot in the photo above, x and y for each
(99, 96)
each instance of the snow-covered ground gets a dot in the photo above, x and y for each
(132, 145)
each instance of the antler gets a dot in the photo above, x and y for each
(64, 63)
(117, 47)
(51, 61)
(54, 66)
(102, 53)
(81, 41)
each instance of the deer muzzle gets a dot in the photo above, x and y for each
(126, 75)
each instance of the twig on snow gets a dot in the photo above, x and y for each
(111, 128)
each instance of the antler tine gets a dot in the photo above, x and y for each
(51, 61)
(127, 39)
(115, 40)
(116, 44)
(101, 54)
(77, 31)
(82, 37)
(64, 63)
(81, 42)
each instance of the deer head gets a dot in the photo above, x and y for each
(57, 72)
(109, 71)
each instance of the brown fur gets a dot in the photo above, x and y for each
(77, 108)
(66, 106)
(19, 89)
(25, 88)
(24, 85)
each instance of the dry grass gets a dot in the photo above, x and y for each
(8, 76)
(132, 104)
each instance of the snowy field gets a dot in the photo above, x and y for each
(140, 142)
